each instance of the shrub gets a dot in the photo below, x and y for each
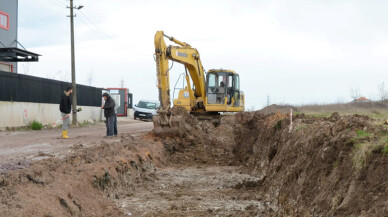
(36, 125)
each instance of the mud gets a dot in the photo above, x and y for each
(195, 191)
(317, 168)
(252, 164)
(84, 183)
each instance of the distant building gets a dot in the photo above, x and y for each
(9, 53)
(362, 99)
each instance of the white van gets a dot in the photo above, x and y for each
(145, 109)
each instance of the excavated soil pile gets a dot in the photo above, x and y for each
(276, 108)
(84, 183)
(321, 167)
(202, 142)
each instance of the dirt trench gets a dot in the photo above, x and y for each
(250, 165)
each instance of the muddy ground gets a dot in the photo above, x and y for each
(19, 147)
(253, 164)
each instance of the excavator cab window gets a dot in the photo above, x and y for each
(230, 91)
(222, 87)
(216, 88)
(211, 83)
(236, 90)
(237, 82)
(212, 88)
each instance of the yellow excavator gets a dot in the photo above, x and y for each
(214, 91)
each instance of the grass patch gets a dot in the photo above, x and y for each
(301, 127)
(36, 125)
(376, 110)
(319, 115)
(385, 149)
(87, 123)
(362, 134)
(360, 153)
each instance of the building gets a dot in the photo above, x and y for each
(25, 98)
(10, 54)
(362, 99)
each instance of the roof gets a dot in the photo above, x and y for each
(13, 54)
(222, 70)
(362, 99)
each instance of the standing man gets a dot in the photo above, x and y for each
(65, 108)
(109, 113)
(115, 132)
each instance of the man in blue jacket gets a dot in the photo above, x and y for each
(109, 113)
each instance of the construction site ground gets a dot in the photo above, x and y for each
(20, 147)
(253, 164)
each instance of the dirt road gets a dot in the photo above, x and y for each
(18, 148)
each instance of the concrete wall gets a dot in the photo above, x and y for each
(17, 114)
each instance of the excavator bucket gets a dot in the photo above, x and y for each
(168, 126)
(176, 123)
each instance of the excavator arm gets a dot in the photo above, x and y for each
(185, 55)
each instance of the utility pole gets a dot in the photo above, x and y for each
(73, 83)
(268, 100)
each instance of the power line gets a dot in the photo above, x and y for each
(95, 25)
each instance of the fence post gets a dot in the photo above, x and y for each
(290, 129)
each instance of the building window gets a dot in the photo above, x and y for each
(6, 67)
(4, 20)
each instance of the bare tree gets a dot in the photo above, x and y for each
(355, 93)
(340, 100)
(383, 93)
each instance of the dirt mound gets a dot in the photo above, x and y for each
(276, 108)
(319, 167)
(81, 184)
(322, 167)
(202, 142)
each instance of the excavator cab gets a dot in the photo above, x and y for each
(223, 91)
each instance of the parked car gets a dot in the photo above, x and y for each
(145, 109)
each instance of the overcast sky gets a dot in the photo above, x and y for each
(295, 52)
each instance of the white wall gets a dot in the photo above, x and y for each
(17, 114)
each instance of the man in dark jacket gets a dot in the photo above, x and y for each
(109, 113)
(65, 108)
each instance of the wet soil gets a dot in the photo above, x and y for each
(251, 165)
(195, 191)
(19, 148)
